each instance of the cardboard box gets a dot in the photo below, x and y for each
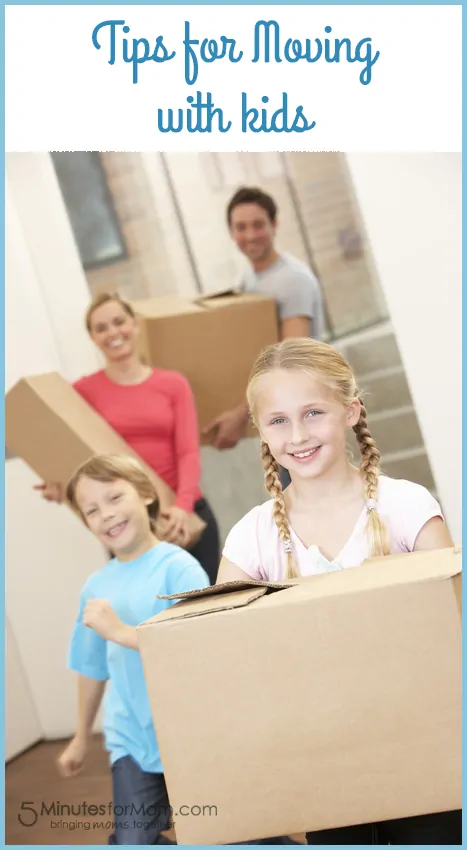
(323, 702)
(54, 430)
(212, 340)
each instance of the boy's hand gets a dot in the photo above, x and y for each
(71, 761)
(99, 615)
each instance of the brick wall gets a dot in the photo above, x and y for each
(337, 241)
(311, 190)
(147, 270)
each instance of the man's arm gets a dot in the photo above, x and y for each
(295, 326)
(231, 426)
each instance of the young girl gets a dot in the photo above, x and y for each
(303, 397)
(118, 503)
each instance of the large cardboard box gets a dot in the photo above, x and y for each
(213, 341)
(328, 701)
(50, 426)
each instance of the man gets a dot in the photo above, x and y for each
(252, 221)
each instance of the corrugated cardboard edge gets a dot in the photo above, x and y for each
(196, 607)
(234, 298)
(216, 293)
(213, 600)
(229, 586)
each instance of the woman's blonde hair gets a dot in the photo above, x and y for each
(104, 298)
(330, 367)
(109, 468)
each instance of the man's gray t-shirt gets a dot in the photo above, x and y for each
(295, 289)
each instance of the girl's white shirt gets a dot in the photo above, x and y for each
(254, 544)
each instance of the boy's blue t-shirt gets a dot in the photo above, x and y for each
(131, 589)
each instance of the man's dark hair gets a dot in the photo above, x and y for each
(251, 195)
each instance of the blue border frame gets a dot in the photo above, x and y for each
(268, 3)
(2, 254)
(2, 420)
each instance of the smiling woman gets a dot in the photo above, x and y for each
(154, 411)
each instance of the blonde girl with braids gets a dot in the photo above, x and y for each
(304, 399)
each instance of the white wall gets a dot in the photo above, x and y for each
(49, 242)
(171, 239)
(48, 551)
(49, 555)
(22, 726)
(30, 342)
(411, 208)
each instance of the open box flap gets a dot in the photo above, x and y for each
(165, 306)
(199, 605)
(221, 597)
(235, 299)
(230, 587)
(216, 293)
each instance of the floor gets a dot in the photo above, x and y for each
(33, 785)
(38, 801)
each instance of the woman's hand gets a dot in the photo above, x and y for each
(71, 761)
(52, 491)
(178, 529)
